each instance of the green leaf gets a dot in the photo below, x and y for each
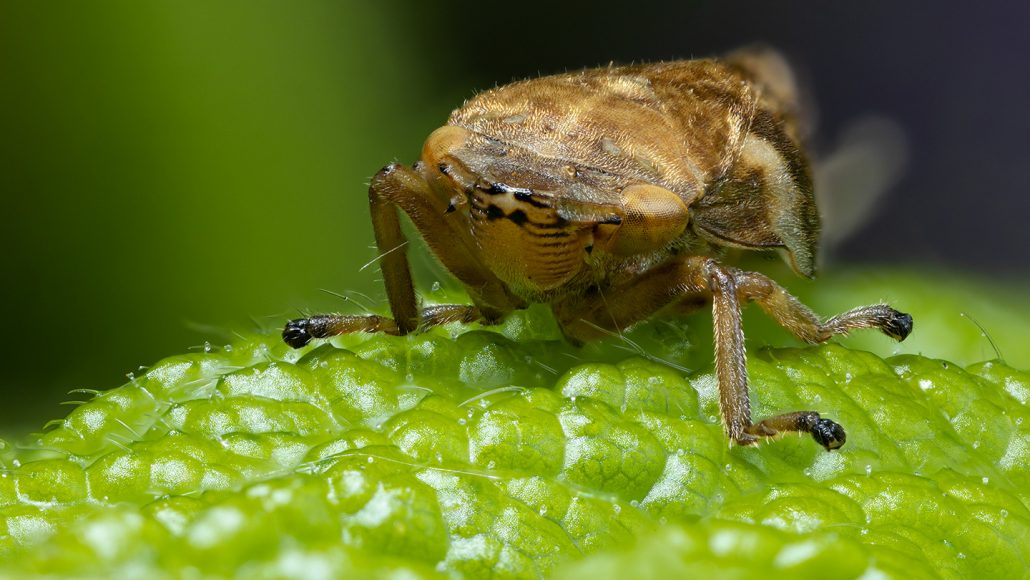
(507, 452)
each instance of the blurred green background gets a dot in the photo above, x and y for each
(174, 171)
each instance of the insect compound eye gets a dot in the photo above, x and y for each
(441, 143)
(653, 217)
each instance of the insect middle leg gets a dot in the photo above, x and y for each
(398, 188)
(689, 280)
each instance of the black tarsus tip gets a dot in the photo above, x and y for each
(297, 332)
(829, 434)
(899, 326)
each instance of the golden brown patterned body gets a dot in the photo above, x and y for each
(700, 129)
(620, 181)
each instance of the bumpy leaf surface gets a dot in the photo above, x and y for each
(508, 453)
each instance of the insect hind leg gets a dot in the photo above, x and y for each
(397, 189)
(727, 286)
(690, 282)
(791, 314)
(794, 316)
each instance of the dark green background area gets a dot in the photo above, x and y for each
(172, 171)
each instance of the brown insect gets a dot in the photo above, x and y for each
(610, 195)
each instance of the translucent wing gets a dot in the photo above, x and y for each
(868, 161)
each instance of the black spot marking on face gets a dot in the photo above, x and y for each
(527, 196)
(518, 216)
(519, 193)
(494, 213)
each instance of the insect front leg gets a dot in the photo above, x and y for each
(299, 332)
(398, 188)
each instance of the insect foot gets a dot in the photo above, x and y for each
(829, 434)
(898, 325)
(298, 332)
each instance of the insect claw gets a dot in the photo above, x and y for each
(296, 333)
(829, 434)
(899, 326)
